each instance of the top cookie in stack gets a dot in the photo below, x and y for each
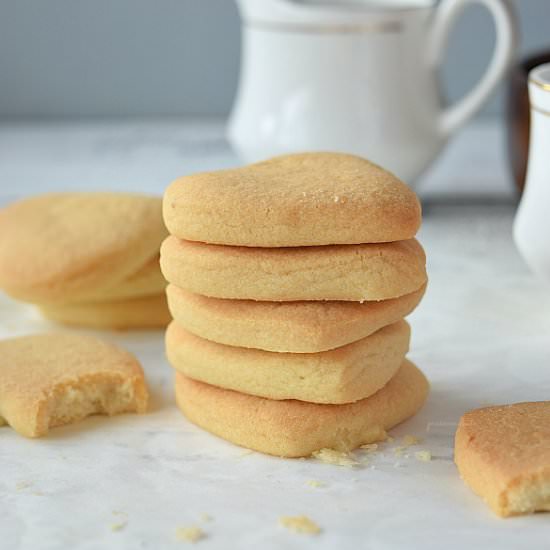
(289, 280)
(296, 200)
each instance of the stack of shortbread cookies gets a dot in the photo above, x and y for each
(89, 259)
(289, 280)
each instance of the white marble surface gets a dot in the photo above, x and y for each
(481, 335)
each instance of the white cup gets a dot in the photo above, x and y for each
(532, 223)
(356, 77)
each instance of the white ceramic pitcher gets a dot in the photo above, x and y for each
(358, 77)
(532, 223)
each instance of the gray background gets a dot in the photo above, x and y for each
(80, 58)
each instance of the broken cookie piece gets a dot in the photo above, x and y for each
(503, 454)
(49, 380)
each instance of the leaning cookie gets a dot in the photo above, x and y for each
(341, 272)
(147, 281)
(146, 312)
(293, 200)
(342, 375)
(296, 428)
(297, 327)
(503, 454)
(72, 247)
(50, 380)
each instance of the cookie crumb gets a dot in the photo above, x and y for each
(23, 485)
(337, 458)
(410, 440)
(315, 483)
(190, 534)
(423, 456)
(399, 451)
(206, 517)
(122, 523)
(369, 447)
(390, 439)
(300, 524)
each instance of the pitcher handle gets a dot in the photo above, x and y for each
(446, 15)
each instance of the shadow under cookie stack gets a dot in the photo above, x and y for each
(289, 281)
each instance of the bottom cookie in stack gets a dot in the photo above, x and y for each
(291, 428)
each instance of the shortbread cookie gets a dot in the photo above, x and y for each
(294, 200)
(298, 327)
(148, 281)
(68, 247)
(49, 380)
(341, 375)
(341, 272)
(133, 313)
(296, 428)
(503, 454)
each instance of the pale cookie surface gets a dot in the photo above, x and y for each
(294, 200)
(297, 327)
(296, 428)
(66, 247)
(145, 312)
(340, 272)
(503, 454)
(147, 281)
(341, 375)
(49, 380)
